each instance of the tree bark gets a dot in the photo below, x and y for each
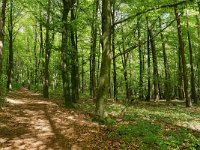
(148, 63)
(93, 50)
(182, 51)
(10, 60)
(180, 77)
(192, 78)
(124, 63)
(102, 92)
(198, 57)
(2, 23)
(167, 90)
(155, 66)
(115, 88)
(75, 63)
(47, 54)
(64, 55)
(141, 96)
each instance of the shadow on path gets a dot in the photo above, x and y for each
(31, 123)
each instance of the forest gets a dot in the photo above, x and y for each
(100, 74)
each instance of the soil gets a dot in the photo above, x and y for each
(30, 122)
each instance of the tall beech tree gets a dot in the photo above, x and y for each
(192, 78)
(115, 91)
(47, 53)
(74, 57)
(167, 84)
(182, 52)
(102, 92)
(67, 5)
(155, 65)
(93, 49)
(10, 58)
(2, 23)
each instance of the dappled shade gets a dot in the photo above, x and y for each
(31, 123)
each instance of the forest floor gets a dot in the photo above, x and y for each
(30, 122)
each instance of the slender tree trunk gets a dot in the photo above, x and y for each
(102, 92)
(182, 51)
(167, 90)
(82, 73)
(2, 23)
(115, 88)
(64, 54)
(149, 63)
(47, 54)
(10, 61)
(98, 62)
(74, 61)
(155, 66)
(198, 57)
(93, 50)
(180, 76)
(36, 58)
(192, 78)
(41, 61)
(124, 63)
(141, 96)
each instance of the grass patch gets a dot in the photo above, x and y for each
(155, 136)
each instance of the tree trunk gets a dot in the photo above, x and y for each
(10, 60)
(64, 54)
(192, 78)
(2, 23)
(74, 61)
(102, 92)
(141, 96)
(36, 58)
(93, 50)
(180, 76)
(198, 57)
(124, 63)
(167, 90)
(182, 51)
(47, 54)
(149, 63)
(115, 91)
(155, 66)
(41, 61)
(82, 72)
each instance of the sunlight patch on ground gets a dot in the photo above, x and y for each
(23, 143)
(191, 125)
(14, 101)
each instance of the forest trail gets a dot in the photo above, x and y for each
(29, 122)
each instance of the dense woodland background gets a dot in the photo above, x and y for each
(128, 72)
(102, 49)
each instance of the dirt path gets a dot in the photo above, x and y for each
(29, 122)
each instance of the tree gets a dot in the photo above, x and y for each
(67, 5)
(167, 91)
(74, 57)
(155, 65)
(102, 92)
(10, 59)
(47, 54)
(93, 49)
(182, 52)
(2, 23)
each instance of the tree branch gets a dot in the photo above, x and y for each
(151, 9)
(144, 41)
